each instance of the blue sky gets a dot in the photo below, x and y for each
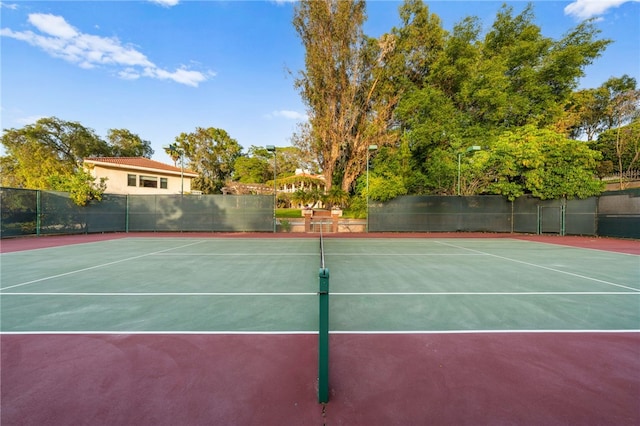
(160, 68)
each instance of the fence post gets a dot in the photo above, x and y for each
(38, 212)
(126, 215)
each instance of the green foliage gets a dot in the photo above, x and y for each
(81, 186)
(285, 225)
(212, 153)
(620, 148)
(53, 147)
(336, 197)
(175, 152)
(29, 165)
(49, 147)
(386, 188)
(288, 160)
(357, 207)
(126, 144)
(459, 60)
(252, 170)
(457, 90)
(428, 116)
(419, 44)
(542, 163)
(69, 140)
(305, 198)
(441, 172)
(592, 111)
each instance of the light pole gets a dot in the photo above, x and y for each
(181, 171)
(470, 149)
(272, 148)
(371, 148)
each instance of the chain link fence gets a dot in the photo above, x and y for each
(31, 212)
(614, 214)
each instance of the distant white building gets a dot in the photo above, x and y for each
(139, 175)
(302, 179)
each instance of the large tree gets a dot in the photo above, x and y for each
(212, 153)
(126, 144)
(614, 104)
(585, 114)
(473, 89)
(49, 147)
(338, 86)
(620, 148)
(254, 167)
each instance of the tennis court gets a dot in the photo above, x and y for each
(192, 329)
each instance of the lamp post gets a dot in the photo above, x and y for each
(369, 150)
(181, 171)
(470, 149)
(272, 148)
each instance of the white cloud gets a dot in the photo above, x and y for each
(129, 74)
(182, 75)
(289, 115)
(61, 40)
(585, 9)
(52, 25)
(12, 6)
(165, 3)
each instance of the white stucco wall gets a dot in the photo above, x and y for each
(117, 181)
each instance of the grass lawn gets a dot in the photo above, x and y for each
(289, 213)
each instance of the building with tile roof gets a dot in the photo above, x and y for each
(139, 175)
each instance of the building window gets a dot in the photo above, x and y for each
(163, 183)
(148, 181)
(131, 180)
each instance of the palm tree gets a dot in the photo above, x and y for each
(337, 197)
(302, 197)
(174, 152)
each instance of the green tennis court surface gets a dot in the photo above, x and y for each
(138, 285)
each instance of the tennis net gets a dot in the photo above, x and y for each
(323, 332)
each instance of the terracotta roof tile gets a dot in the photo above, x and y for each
(138, 162)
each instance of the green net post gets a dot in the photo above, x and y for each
(323, 338)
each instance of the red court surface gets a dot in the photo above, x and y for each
(395, 379)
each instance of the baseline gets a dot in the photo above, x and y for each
(160, 294)
(489, 293)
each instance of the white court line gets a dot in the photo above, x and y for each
(157, 294)
(279, 254)
(402, 254)
(412, 293)
(540, 266)
(489, 293)
(96, 266)
(326, 254)
(482, 331)
(124, 332)
(313, 333)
